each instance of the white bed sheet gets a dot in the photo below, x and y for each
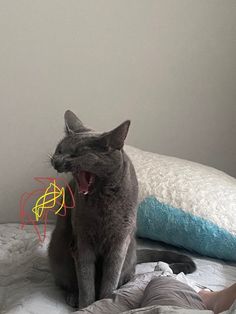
(27, 287)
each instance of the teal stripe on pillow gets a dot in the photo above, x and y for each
(158, 221)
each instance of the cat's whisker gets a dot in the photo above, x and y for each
(49, 155)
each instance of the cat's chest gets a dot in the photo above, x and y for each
(98, 220)
(99, 223)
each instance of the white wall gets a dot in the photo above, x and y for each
(168, 65)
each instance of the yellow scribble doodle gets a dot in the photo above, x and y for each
(53, 196)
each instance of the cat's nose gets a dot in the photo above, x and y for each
(58, 163)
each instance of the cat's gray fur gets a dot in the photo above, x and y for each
(93, 250)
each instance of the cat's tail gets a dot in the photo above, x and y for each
(177, 262)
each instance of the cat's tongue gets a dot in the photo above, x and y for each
(84, 181)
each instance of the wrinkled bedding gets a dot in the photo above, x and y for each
(27, 287)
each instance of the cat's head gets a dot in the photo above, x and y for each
(88, 154)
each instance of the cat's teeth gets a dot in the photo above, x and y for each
(85, 193)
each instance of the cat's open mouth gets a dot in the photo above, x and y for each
(84, 181)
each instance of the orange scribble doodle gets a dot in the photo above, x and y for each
(51, 198)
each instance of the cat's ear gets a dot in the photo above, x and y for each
(72, 123)
(116, 138)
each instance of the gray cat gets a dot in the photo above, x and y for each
(93, 249)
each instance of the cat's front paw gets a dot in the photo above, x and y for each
(72, 300)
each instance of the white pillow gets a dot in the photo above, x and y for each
(185, 204)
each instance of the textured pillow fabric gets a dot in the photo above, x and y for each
(185, 204)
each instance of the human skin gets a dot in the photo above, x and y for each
(219, 301)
